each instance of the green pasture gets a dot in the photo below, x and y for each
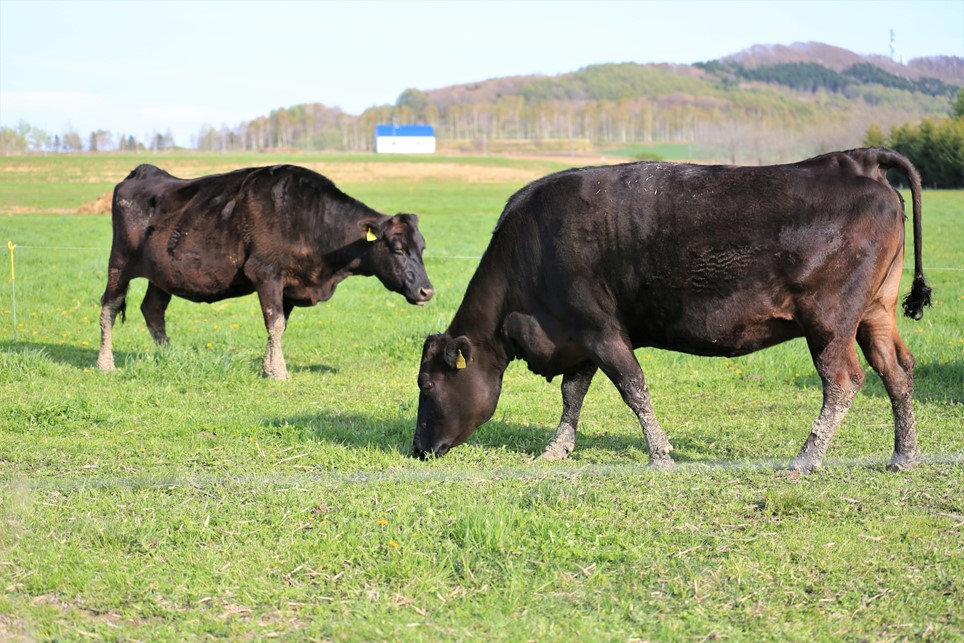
(689, 152)
(183, 496)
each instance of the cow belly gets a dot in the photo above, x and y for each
(732, 342)
(195, 274)
(726, 329)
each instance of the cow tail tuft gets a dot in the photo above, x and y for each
(123, 307)
(917, 299)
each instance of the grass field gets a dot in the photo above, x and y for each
(182, 496)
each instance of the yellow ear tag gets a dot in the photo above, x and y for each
(370, 236)
(460, 361)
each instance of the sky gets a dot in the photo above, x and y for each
(141, 67)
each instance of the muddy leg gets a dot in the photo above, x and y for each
(273, 363)
(617, 361)
(108, 314)
(574, 387)
(153, 307)
(112, 302)
(842, 377)
(889, 357)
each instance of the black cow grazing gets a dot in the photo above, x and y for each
(587, 264)
(284, 232)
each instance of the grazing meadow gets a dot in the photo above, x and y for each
(183, 496)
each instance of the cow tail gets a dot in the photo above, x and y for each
(919, 296)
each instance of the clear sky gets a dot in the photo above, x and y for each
(144, 66)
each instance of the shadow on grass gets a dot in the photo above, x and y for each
(66, 354)
(310, 368)
(527, 441)
(393, 436)
(396, 436)
(82, 357)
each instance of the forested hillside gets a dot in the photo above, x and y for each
(766, 104)
(751, 107)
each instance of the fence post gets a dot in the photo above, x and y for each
(13, 290)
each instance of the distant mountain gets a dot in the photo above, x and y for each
(802, 67)
(949, 69)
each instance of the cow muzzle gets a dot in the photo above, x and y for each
(423, 452)
(422, 296)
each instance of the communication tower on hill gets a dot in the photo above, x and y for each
(896, 55)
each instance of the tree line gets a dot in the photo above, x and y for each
(25, 137)
(813, 77)
(934, 146)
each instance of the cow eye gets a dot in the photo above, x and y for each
(425, 384)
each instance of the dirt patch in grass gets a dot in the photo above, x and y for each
(23, 209)
(100, 205)
(356, 173)
(363, 172)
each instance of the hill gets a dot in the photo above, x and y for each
(949, 69)
(767, 103)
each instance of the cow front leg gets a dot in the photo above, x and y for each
(273, 364)
(842, 377)
(574, 387)
(153, 308)
(617, 361)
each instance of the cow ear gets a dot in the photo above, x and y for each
(410, 219)
(369, 231)
(458, 352)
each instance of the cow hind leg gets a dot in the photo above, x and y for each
(574, 387)
(272, 308)
(889, 357)
(842, 377)
(153, 308)
(113, 301)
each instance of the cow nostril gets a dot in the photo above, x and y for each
(425, 293)
(425, 454)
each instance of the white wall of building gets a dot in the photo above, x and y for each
(405, 145)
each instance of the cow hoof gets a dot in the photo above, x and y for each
(281, 377)
(902, 462)
(105, 365)
(554, 453)
(662, 462)
(803, 466)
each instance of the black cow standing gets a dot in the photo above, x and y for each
(587, 264)
(284, 232)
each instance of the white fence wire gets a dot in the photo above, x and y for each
(13, 247)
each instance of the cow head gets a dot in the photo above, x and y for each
(459, 385)
(395, 256)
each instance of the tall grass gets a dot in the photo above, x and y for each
(183, 496)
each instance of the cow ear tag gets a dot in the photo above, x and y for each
(370, 236)
(460, 361)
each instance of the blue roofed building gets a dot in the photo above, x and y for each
(404, 139)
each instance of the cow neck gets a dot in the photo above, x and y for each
(480, 315)
(347, 253)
